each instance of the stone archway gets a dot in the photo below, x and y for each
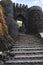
(22, 19)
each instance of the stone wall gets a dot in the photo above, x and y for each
(35, 20)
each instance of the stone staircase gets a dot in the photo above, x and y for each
(28, 50)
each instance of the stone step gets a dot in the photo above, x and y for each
(24, 61)
(24, 37)
(15, 49)
(23, 46)
(29, 56)
(18, 54)
(34, 51)
(27, 49)
(29, 41)
(25, 57)
(30, 46)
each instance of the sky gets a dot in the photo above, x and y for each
(30, 2)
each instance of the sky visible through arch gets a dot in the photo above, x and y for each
(30, 2)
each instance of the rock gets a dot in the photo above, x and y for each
(12, 24)
(5, 38)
